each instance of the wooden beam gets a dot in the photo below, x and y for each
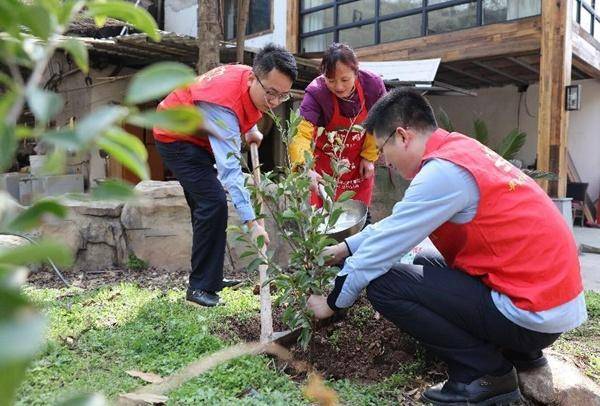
(472, 76)
(524, 65)
(293, 25)
(586, 52)
(500, 72)
(555, 75)
(510, 38)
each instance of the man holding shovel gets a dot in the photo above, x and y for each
(231, 99)
(508, 282)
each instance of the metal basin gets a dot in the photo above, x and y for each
(355, 216)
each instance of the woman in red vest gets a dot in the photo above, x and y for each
(231, 99)
(506, 281)
(338, 99)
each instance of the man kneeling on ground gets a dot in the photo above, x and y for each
(507, 283)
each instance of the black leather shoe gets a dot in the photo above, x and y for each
(229, 283)
(485, 391)
(525, 361)
(202, 297)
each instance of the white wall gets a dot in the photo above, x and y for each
(181, 17)
(498, 108)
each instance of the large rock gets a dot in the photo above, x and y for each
(158, 225)
(559, 383)
(93, 232)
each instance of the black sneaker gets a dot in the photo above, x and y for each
(485, 391)
(202, 297)
(230, 283)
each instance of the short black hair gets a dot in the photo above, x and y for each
(402, 107)
(273, 56)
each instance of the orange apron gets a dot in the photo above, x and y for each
(350, 180)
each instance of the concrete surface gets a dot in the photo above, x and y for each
(590, 263)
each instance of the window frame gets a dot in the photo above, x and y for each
(255, 34)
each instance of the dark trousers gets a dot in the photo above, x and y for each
(454, 316)
(194, 168)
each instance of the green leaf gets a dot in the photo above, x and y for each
(44, 104)
(444, 121)
(69, 9)
(480, 133)
(260, 241)
(56, 162)
(78, 52)
(512, 144)
(21, 337)
(127, 12)
(39, 21)
(32, 217)
(127, 149)
(36, 253)
(346, 195)
(158, 80)
(254, 264)
(97, 122)
(113, 190)
(8, 146)
(64, 138)
(538, 174)
(247, 254)
(9, 15)
(183, 120)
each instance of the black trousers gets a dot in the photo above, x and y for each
(194, 168)
(454, 316)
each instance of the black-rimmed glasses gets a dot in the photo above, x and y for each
(380, 149)
(272, 94)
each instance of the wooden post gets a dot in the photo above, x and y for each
(266, 315)
(555, 75)
(293, 25)
(243, 9)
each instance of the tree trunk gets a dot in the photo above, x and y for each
(243, 8)
(209, 35)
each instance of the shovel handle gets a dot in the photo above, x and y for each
(266, 314)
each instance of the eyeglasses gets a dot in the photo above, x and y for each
(380, 149)
(274, 94)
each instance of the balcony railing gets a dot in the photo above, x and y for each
(368, 22)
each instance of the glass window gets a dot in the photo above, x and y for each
(258, 20)
(432, 2)
(306, 4)
(358, 36)
(317, 43)
(586, 20)
(356, 11)
(495, 11)
(452, 18)
(395, 6)
(597, 29)
(400, 28)
(317, 20)
(575, 10)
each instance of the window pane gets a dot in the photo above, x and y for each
(575, 10)
(501, 10)
(597, 29)
(260, 16)
(314, 3)
(401, 28)
(395, 6)
(317, 43)
(432, 2)
(586, 20)
(356, 11)
(317, 20)
(452, 18)
(358, 36)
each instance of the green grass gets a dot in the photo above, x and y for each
(97, 335)
(583, 343)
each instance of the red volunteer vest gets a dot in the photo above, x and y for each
(363, 188)
(225, 86)
(518, 242)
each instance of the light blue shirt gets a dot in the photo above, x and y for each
(225, 139)
(441, 192)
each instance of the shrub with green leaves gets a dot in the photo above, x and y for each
(285, 196)
(30, 33)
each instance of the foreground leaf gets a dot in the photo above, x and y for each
(44, 104)
(36, 253)
(78, 52)
(32, 217)
(183, 120)
(158, 80)
(113, 190)
(127, 12)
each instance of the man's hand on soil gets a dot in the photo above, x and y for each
(318, 305)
